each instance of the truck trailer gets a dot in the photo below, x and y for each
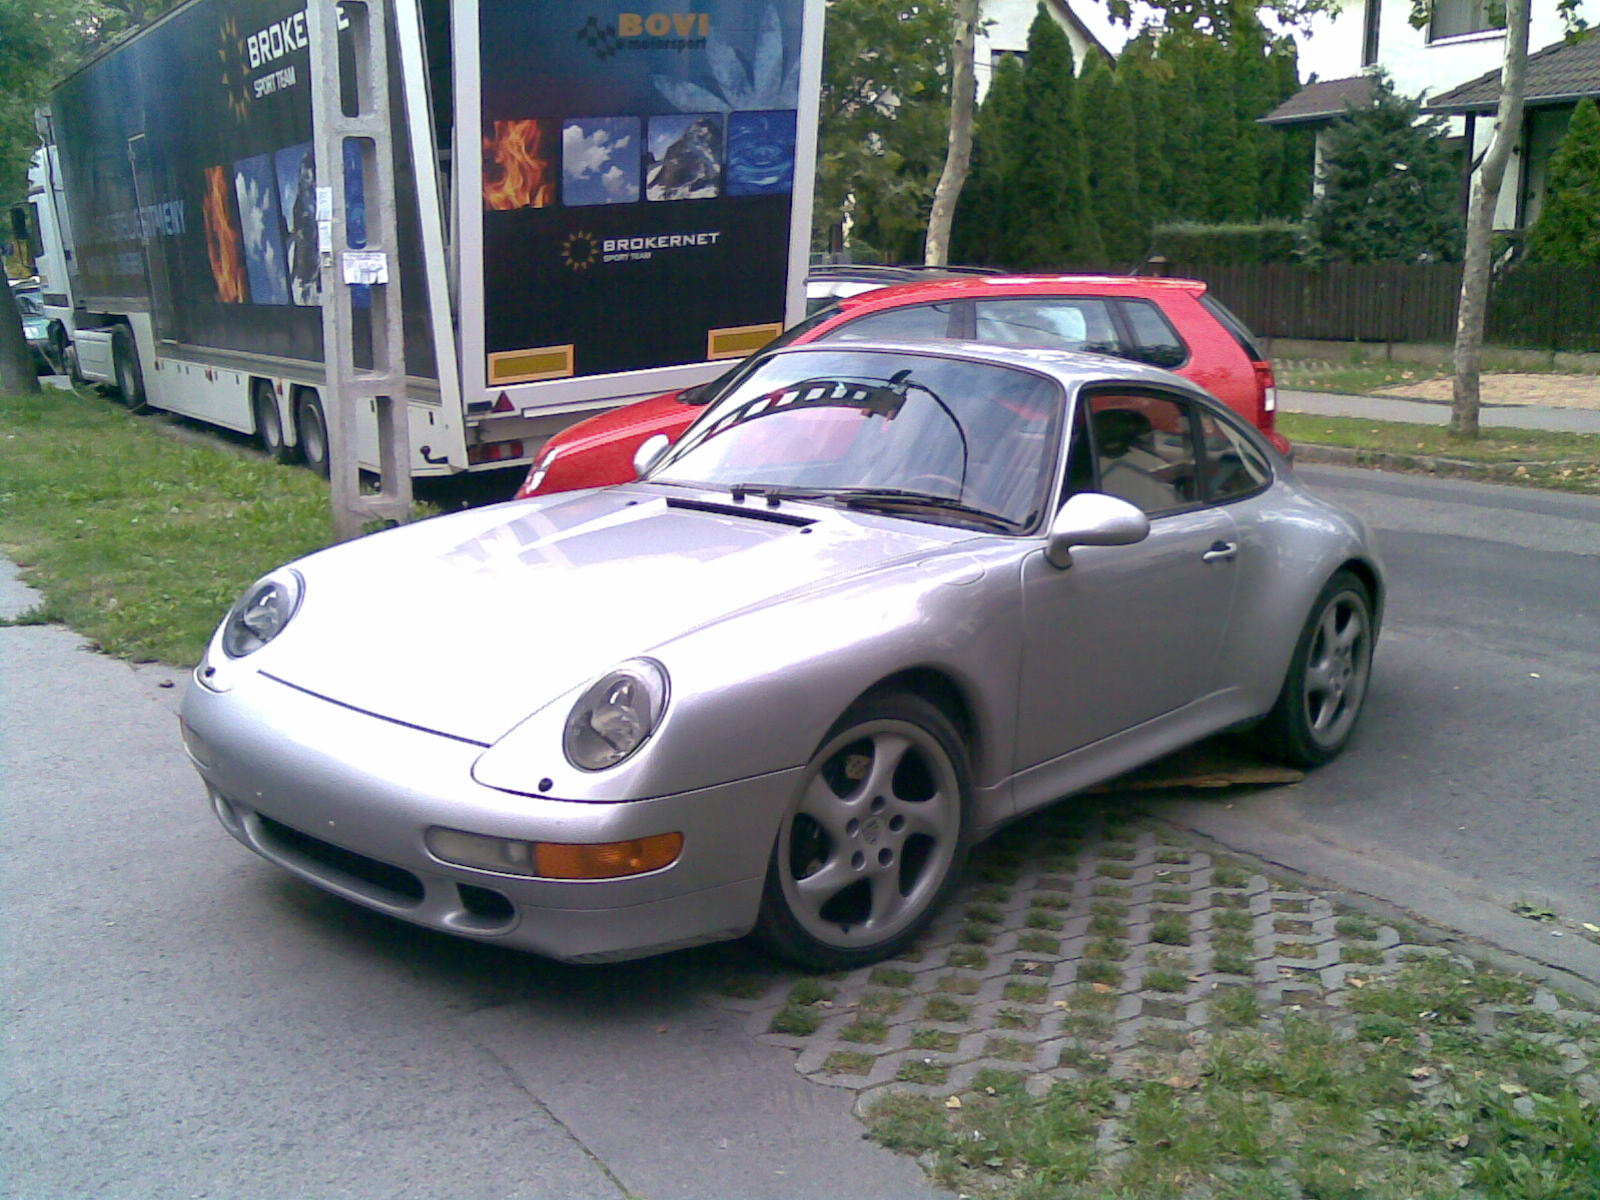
(593, 206)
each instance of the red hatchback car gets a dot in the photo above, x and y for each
(1169, 323)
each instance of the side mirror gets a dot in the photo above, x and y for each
(649, 453)
(1093, 519)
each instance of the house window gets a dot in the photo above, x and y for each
(1369, 33)
(1452, 18)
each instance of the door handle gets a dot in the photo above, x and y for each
(1221, 552)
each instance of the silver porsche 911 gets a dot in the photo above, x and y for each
(877, 602)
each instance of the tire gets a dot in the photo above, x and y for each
(873, 840)
(269, 424)
(312, 428)
(1323, 692)
(58, 350)
(129, 375)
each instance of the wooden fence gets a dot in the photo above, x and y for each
(1542, 307)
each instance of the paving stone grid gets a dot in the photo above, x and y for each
(1085, 944)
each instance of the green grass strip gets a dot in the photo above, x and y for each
(136, 539)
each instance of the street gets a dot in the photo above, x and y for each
(184, 1019)
(1470, 785)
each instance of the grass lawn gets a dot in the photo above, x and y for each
(1414, 1095)
(1359, 377)
(1564, 461)
(1350, 378)
(137, 540)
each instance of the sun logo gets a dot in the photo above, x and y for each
(580, 251)
(235, 81)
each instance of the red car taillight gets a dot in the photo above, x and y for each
(1268, 421)
(1268, 383)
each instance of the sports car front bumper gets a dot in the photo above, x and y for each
(344, 799)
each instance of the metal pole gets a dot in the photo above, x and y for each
(362, 332)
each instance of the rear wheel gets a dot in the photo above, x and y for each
(1327, 681)
(129, 376)
(269, 424)
(313, 430)
(872, 841)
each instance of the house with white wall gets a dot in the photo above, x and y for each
(1463, 43)
(1005, 34)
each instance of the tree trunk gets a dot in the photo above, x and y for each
(958, 156)
(1473, 308)
(17, 376)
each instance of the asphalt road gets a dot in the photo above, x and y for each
(1473, 783)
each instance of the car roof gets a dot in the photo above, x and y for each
(968, 287)
(1072, 368)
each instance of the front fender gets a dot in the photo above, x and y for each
(757, 692)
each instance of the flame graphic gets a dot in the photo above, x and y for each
(223, 242)
(516, 173)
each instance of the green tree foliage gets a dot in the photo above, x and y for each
(1052, 220)
(41, 41)
(883, 120)
(1568, 228)
(1171, 135)
(1389, 187)
(983, 215)
(1114, 165)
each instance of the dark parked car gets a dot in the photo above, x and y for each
(47, 337)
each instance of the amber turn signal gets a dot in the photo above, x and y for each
(556, 860)
(607, 860)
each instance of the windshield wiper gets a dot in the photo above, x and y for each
(890, 499)
(774, 492)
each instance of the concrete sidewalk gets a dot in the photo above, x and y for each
(1433, 412)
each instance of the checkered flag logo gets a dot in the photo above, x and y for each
(602, 39)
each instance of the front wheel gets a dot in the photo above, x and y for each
(1328, 675)
(129, 376)
(873, 839)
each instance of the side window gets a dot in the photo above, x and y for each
(918, 323)
(1155, 341)
(1056, 322)
(1233, 467)
(1144, 449)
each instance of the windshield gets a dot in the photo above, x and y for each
(29, 305)
(923, 436)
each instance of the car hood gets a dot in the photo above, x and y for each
(467, 624)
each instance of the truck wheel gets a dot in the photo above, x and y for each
(130, 378)
(269, 425)
(313, 429)
(58, 350)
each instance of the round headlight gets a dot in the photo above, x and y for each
(262, 612)
(615, 715)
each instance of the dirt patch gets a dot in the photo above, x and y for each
(1512, 389)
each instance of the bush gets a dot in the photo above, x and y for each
(1227, 245)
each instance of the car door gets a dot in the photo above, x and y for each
(1127, 634)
